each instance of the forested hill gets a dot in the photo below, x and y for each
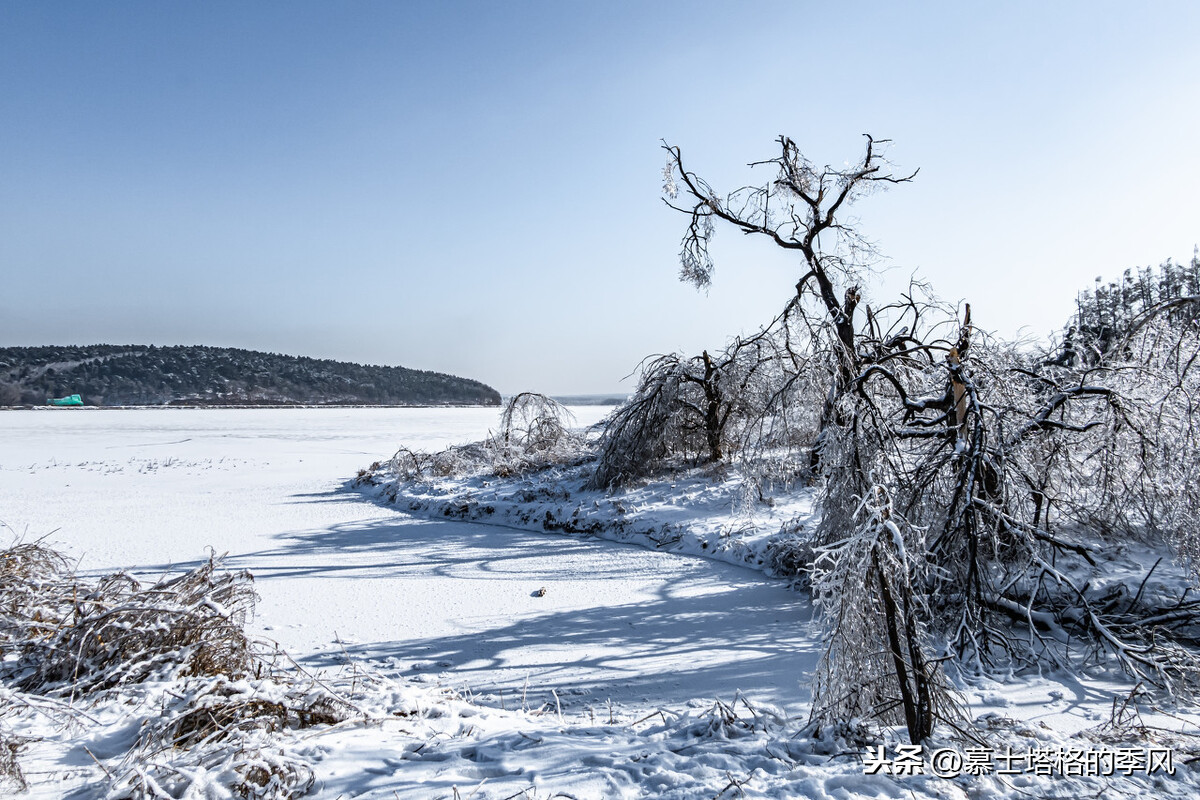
(112, 375)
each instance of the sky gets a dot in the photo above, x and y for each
(475, 187)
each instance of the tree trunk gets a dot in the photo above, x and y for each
(908, 663)
(712, 410)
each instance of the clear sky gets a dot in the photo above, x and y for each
(475, 187)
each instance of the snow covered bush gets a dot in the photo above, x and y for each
(650, 427)
(534, 433)
(789, 554)
(223, 693)
(1156, 367)
(751, 404)
(116, 632)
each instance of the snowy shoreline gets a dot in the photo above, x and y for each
(694, 513)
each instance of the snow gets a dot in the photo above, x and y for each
(656, 607)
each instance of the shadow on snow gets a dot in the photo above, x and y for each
(697, 628)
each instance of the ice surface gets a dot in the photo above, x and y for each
(152, 490)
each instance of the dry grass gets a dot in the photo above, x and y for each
(228, 732)
(216, 709)
(229, 696)
(250, 767)
(32, 598)
(10, 769)
(71, 637)
(790, 555)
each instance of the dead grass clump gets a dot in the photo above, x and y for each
(32, 601)
(219, 720)
(115, 632)
(269, 774)
(789, 555)
(228, 701)
(34, 592)
(10, 769)
(735, 719)
(248, 767)
(225, 733)
(214, 710)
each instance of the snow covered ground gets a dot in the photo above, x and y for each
(152, 490)
(605, 685)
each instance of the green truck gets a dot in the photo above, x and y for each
(69, 400)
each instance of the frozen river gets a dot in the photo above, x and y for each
(156, 490)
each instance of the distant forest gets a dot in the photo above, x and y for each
(1109, 313)
(113, 375)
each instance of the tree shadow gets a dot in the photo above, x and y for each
(696, 628)
(748, 636)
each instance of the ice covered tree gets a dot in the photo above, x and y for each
(745, 398)
(701, 409)
(963, 480)
(801, 208)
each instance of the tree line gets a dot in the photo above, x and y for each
(1106, 313)
(112, 375)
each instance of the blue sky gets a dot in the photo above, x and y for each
(475, 187)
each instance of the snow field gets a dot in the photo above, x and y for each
(605, 686)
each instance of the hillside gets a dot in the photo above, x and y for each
(112, 375)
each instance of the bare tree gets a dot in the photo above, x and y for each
(800, 209)
(959, 472)
(695, 409)
(533, 423)
(534, 433)
(1010, 467)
